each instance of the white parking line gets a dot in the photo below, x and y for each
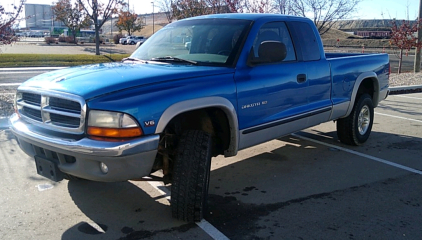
(9, 84)
(408, 97)
(204, 224)
(388, 115)
(6, 73)
(360, 154)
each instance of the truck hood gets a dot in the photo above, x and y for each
(94, 80)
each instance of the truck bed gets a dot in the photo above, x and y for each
(348, 68)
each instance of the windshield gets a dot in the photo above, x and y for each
(200, 41)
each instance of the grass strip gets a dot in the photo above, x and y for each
(56, 60)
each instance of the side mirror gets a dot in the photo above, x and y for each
(268, 52)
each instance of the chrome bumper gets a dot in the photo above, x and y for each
(125, 160)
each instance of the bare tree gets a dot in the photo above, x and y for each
(258, 6)
(282, 6)
(71, 16)
(404, 37)
(217, 6)
(166, 7)
(189, 8)
(99, 10)
(236, 6)
(8, 17)
(324, 12)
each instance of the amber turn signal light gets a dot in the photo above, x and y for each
(115, 132)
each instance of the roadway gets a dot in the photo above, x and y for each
(302, 186)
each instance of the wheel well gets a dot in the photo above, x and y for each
(211, 120)
(366, 86)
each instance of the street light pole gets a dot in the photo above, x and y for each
(153, 17)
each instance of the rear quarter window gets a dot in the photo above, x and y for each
(307, 40)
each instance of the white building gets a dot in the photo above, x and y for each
(40, 17)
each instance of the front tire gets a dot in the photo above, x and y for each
(189, 190)
(356, 128)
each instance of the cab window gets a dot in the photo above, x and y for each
(275, 31)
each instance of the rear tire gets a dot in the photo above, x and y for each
(189, 190)
(356, 128)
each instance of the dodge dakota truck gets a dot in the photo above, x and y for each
(245, 79)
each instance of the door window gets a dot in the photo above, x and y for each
(275, 31)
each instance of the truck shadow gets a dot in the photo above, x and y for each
(296, 170)
(119, 210)
(289, 170)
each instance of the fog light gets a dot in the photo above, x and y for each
(104, 168)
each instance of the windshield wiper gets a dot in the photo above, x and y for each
(133, 59)
(173, 59)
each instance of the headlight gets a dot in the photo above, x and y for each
(112, 125)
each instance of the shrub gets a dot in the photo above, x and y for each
(71, 40)
(62, 39)
(49, 40)
(117, 37)
(67, 40)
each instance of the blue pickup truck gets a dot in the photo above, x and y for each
(244, 79)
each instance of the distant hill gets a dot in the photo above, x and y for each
(364, 25)
(335, 34)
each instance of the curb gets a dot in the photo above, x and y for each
(405, 89)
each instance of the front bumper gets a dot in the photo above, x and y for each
(82, 158)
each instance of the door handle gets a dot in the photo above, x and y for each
(301, 78)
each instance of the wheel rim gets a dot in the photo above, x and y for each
(364, 120)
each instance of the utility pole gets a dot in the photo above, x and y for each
(153, 17)
(417, 66)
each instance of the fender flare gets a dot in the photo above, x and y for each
(358, 82)
(195, 104)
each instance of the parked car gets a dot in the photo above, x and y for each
(187, 45)
(131, 40)
(246, 79)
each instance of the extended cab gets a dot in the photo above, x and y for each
(245, 79)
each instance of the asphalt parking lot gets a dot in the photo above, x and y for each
(302, 186)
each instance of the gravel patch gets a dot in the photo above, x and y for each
(405, 79)
(7, 96)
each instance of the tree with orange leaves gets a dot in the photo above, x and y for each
(129, 22)
(71, 16)
(404, 37)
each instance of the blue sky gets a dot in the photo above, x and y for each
(367, 9)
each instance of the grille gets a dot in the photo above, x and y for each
(32, 113)
(32, 98)
(64, 121)
(55, 111)
(64, 104)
